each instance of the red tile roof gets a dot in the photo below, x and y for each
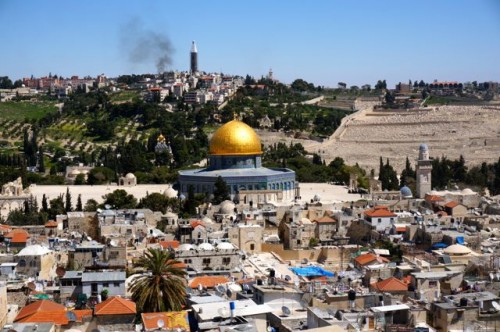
(433, 198)
(115, 306)
(379, 212)
(43, 311)
(80, 314)
(401, 229)
(18, 235)
(325, 219)
(368, 258)
(390, 285)
(51, 223)
(208, 281)
(172, 320)
(195, 223)
(451, 204)
(5, 228)
(170, 244)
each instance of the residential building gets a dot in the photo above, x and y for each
(92, 283)
(326, 229)
(246, 237)
(116, 313)
(36, 261)
(206, 258)
(380, 218)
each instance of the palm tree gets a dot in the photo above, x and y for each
(163, 289)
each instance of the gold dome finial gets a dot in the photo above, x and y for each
(235, 138)
(235, 116)
(160, 138)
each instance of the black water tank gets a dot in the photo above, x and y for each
(351, 295)
(463, 302)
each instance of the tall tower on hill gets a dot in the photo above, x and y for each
(424, 171)
(194, 59)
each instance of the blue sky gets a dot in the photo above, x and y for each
(323, 42)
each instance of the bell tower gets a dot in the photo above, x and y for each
(423, 171)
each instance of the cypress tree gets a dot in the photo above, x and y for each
(79, 206)
(67, 206)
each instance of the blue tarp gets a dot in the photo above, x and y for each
(460, 240)
(311, 271)
(439, 245)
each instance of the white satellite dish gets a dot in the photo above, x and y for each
(288, 278)
(496, 305)
(286, 311)
(229, 293)
(160, 323)
(220, 288)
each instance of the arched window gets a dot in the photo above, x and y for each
(252, 247)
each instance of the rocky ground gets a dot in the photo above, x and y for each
(471, 131)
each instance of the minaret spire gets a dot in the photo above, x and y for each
(194, 59)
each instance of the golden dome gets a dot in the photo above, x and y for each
(161, 138)
(235, 138)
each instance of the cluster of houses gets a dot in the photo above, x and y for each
(198, 88)
(388, 262)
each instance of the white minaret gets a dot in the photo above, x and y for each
(424, 171)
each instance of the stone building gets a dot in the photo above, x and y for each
(423, 170)
(246, 237)
(36, 261)
(206, 258)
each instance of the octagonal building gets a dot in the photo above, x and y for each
(235, 154)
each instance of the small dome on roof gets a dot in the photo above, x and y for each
(170, 192)
(227, 207)
(225, 246)
(467, 191)
(424, 147)
(186, 247)
(457, 249)
(206, 246)
(207, 220)
(130, 176)
(406, 192)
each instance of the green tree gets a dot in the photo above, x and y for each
(79, 206)
(190, 204)
(157, 202)
(101, 175)
(120, 199)
(90, 205)
(221, 191)
(56, 207)
(163, 288)
(68, 206)
(41, 161)
(80, 179)
(45, 206)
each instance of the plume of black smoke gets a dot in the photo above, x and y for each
(142, 45)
